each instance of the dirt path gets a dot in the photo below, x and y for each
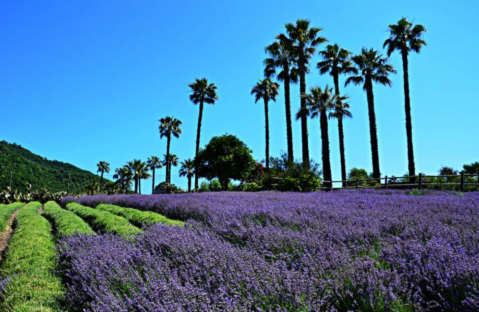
(40, 210)
(5, 235)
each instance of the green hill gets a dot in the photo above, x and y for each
(40, 172)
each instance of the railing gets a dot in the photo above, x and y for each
(407, 182)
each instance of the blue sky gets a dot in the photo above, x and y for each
(83, 81)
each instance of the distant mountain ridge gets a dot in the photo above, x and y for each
(38, 171)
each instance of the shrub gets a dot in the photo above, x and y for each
(65, 222)
(167, 188)
(31, 284)
(103, 221)
(138, 217)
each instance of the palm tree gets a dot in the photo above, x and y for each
(337, 61)
(103, 167)
(91, 187)
(404, 37)
(341, 111)
(371, 67)
(304, 41)
(138, 169)
(124, 176)
(318, 103)
(170, 160)
(281, 58)
(153, 163)
(188, 170)
(201, 92)
(143, 174)
(169, 126)
(267, 90)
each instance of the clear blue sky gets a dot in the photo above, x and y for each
(83, 81)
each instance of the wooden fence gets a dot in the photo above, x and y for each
(420, 182)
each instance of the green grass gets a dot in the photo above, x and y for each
(6, 212)
(138, 217)
(29, 265)
(103, 221)
(65, 222)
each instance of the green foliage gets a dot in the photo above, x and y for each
(215, 185)
(167, 188)
(204, 187)
(138, 217)
(65, 222)
(102, 221)
(30, 265)
(250, 187)
(472, 168)
(291, 177)
(7, 196)
(225, 158)
(37, 171)
(6, 212)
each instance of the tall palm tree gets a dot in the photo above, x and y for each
(134, 166)
(153, 163)
(305, 39)
(266, 90)
(341, 111)
(406, 37)
(188, 170)
(124, 176)
(371, 67)
(170, 160)
(201, 92)
(143, 174)
(169, 126)
(318, 103)
(281, 58)
(103, 167)
(337, 61)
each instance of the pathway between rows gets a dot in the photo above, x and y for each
(7, 234)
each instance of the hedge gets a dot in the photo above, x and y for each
(6, 212)
(138, 217)
(65, 222)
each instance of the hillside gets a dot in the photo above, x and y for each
(38, 171)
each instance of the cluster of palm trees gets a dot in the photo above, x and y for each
(289, 59)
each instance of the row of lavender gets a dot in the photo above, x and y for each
(340, 251)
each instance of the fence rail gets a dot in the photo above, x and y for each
(405, 182)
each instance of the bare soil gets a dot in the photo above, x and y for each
(7, 234)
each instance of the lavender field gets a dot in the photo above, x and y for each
(336, 251)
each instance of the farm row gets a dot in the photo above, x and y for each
(31, 278)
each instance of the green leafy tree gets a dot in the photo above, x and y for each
(337, 61)
(406, 37)
(202, 92)
(280, 64)
(225, 157)
(103, 167)
(318, 103)
(91, 187)
(266, 90)
(188, 170)
(169, 126)
(304, 40)
(473, 168)
(371, 67)
(153, 163)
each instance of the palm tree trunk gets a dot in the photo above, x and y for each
(287, 103)
(168, 139)
(410, 148)
(101, 181)
(136, 185)
(198, 134)
(189, 184)
(153, 183)
(373, 129)
(342, 154)
(323, 120)
(304, 118)
(139, 185)
(266, 127)
(122, 187)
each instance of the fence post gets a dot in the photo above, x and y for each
(462, 181)
(386, 182)
(420, 181)
(357, 183)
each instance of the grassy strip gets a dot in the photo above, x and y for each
(138, 217)
(65, 222)
(31, 284)
(6, 212)
(103, 220)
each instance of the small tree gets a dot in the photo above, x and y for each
(225, 157)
